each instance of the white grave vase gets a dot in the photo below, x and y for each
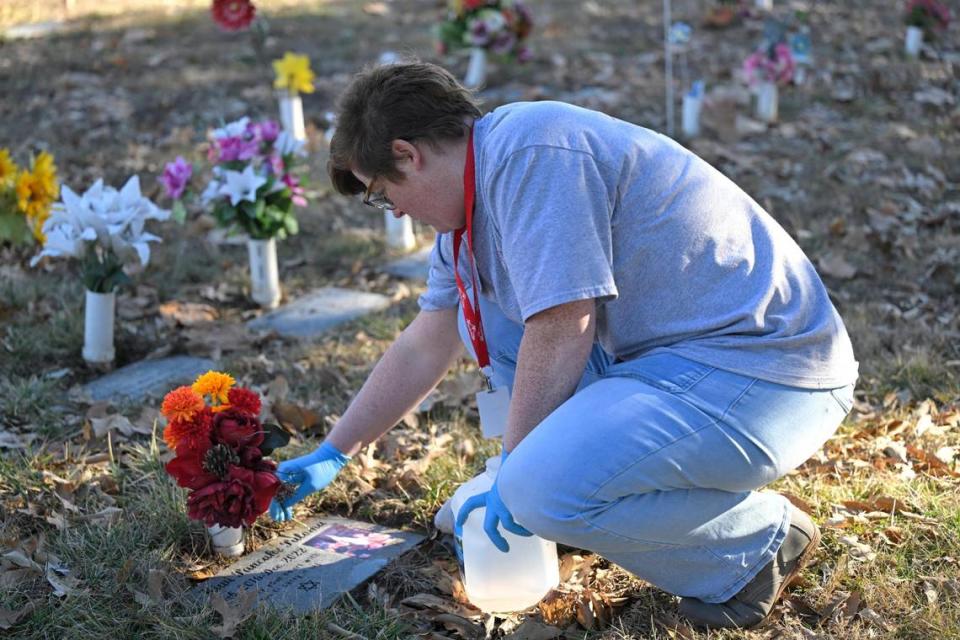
(291, 115)
(226, 541)
(767, 101)
(477, 69)
(913, 41)
(399, 232)
(98, 327)
(690, 120)
(264, 275)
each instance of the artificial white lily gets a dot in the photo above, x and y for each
(240, 186)
(232, 129)
(112, 219)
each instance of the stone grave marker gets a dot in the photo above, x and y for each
(416, 266)
(308, 569)
(318, 311)
(147, 378)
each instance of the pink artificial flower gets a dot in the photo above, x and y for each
(297, 192)
(233, 15)
(275, 162)
(176, 176)
(236, 148)
(764, 65)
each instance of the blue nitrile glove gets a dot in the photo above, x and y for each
(312, 472)
(496, 512)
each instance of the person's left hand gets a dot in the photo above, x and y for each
(496, 513)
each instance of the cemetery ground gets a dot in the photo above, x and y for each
(863, 170)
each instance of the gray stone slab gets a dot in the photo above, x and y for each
(413, 267)
(318, 311)
(308, 569)
(147, 378)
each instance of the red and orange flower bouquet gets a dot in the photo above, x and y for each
(221, 447)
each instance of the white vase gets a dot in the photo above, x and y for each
(227, 541)
(767, 102)
(690, 120)
(264, 275)
(477, 69)
(291, 115)
(399, 232)
(98, 327)
(913, 41)
(799, 75)
(766, 5)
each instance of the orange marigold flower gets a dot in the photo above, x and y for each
(191, 434)
(214, 384)
(244, 400)
(181, 404)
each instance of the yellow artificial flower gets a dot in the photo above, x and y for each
(8, 169)
(46, 173)
(293, 73)
(214, 384)
(31, 197)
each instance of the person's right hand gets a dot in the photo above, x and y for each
(311, 472)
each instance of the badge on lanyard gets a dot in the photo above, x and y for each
(493, 404)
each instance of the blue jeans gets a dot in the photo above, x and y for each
(654, 463)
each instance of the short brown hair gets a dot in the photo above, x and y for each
(408, 100)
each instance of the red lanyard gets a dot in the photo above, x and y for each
(471, 312)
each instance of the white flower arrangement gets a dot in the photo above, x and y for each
(103, 228)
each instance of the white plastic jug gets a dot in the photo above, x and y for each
(496, 581)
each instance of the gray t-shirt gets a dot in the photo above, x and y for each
(573, 204)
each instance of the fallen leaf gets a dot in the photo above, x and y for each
(293, 416)
(834, 265)
(376, 9)
(9, 617)
(858, 550)
(62, 584)
(187, 314)
(533, 630)
(232, 616)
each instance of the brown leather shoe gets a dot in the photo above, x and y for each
(752, 604)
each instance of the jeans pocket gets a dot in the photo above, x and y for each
(666, 372)
(844, 397)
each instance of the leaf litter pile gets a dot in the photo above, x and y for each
(863, 170)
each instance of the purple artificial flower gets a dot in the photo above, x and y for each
(265, 131)
(503, 43)
(236, 148)
(176, 176)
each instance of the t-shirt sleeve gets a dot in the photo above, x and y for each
(441, 290)
(553, 212)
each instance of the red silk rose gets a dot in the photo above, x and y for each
(187, 469)
(236, 429)
(236, 501)
(233, 15)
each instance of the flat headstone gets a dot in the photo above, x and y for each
(32, 30)
(320, 310)
(415, 266)
(310, 568)
(148, 377)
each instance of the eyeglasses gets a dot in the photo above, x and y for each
(377, 199)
